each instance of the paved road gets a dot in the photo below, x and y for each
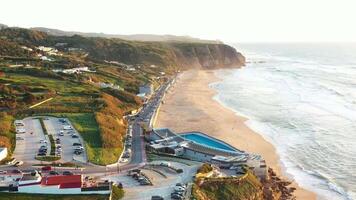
(138, 149)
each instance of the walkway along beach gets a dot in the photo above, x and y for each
(189, 106)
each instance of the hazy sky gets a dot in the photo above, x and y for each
(227, 20)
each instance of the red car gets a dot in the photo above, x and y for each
(46, 168)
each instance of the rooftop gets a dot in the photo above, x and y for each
(71, 181)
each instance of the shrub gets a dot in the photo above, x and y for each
(117, 193)
(205, 168)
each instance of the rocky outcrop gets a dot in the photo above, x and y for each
(207, 56)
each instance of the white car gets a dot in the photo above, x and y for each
(179, 189)
(43, 141)
(21, 130)
(79, 148)
(165, 164)
(124, 160)
(20, 138)
(18, 163)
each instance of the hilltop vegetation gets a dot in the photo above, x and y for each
(163, 54)
(246, 187)
(32, 65)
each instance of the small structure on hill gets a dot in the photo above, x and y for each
(3, 153)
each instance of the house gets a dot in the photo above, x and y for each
(45, 58)
(76, 70)
(110, 85)
(3, 153)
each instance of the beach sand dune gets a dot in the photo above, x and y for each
(189, 106)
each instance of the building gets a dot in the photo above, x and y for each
(3, 153)
(58, 184)
(76, 70)
(109, 85)
(166, 141)
(201, 147)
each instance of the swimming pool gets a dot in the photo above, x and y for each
(207, 141)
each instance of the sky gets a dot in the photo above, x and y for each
(226, 20)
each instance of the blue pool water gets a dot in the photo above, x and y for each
(204, 140)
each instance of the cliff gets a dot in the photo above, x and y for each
(177, 54)
(208, 55)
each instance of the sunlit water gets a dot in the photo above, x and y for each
(302, 98)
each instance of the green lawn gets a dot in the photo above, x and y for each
(22, 196)
(87, 126)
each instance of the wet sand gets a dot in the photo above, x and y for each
(189, 106)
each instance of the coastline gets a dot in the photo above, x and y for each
(195, 109)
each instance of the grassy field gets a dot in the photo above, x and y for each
(87, 126)
(21, 196)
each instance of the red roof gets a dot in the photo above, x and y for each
(71, 181)
(70, 185)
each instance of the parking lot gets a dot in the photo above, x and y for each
(162, 185)
(62, 129)
(28, 143)
(31, 140)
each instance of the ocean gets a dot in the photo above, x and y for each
(302, 99)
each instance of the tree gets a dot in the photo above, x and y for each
(29, 98)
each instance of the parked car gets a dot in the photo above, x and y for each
(77, 144)
(60, 134)
(179, 189)
(165, 164)
(16, 171)
(12, 161)
(75, 136)
(67, 173)
(157, 198)
(46, 168)
(53, 173)
(79, 148)
(20, 138)
(43, 141)
(3, 172)
(18, 163)
(177, 197)
(78, 152)
(181, 185)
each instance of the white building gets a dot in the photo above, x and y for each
(110, 85)
(3, 153)
(77, 70)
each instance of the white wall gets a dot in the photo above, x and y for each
(3, 153)
(38, 189)
(196, 155)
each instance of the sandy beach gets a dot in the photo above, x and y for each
(189, 105)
